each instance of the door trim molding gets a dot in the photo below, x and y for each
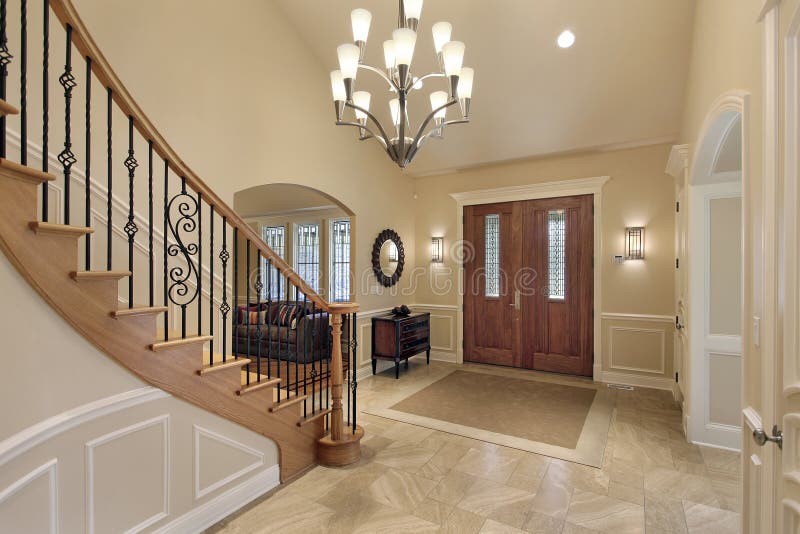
(560, 188)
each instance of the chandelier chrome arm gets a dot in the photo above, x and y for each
(380, 73)
(386, 141)
(420, 80)
(433, 132)
(428, 119)
(367, 129)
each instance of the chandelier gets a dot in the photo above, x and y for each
(398, 52)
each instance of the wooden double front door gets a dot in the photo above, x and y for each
(529, 284)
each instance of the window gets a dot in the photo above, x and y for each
(340, 260)
(307, 254)
(556, 226)
(492, 223)
(275, 238)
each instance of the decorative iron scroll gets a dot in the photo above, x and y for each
(181, 210)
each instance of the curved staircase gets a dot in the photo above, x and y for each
(307, 426)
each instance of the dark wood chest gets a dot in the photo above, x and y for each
(399, 338)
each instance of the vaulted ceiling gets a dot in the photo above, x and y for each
(621, 83)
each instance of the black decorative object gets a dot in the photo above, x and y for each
(401, 311)
(385, 279)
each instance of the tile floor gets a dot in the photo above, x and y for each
(413, 479)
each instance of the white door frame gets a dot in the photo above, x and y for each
(702, 342)
(564, 188)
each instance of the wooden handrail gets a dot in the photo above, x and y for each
(82, 40)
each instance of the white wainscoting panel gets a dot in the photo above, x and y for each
(92, 473)
(10, 514)
(238, 457)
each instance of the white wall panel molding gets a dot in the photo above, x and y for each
(224, 504)
(641, 317)
(91, 446)
(32, 436)
(620, 330)
(50, 470)
(200, 432)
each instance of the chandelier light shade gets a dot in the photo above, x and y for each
(402, 140)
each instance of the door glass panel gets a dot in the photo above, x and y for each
(556, 224)
(492, 255)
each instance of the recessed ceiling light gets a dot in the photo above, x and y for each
(566, 39)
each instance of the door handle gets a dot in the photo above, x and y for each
(678, 325)
(761, 437)
(515, 304)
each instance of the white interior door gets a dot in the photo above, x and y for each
(715, 317)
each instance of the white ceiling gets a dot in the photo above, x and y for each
(622, 82)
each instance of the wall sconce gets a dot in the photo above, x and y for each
(437, 250)
(634, 243)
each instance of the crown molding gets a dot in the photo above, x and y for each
(678, 161)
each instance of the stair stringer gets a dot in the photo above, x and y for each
(46, 261)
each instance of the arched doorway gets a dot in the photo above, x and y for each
(311, 230)
(714, 308)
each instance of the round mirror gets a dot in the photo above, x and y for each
(388, 257)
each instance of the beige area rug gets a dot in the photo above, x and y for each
(553, 416)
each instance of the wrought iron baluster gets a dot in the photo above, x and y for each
(305, 353)
(23, 83)
(313, 358)
(297, 343)
(235, 333)
(280, 275)
(346, 359)
(288, 349)
(110, 176)
(181, 212)
(130, 227)
(165, 289)
(354, 358)
(269, 318)
(224, 307)
(321, 349)
(87, 201)
(199, 263)
(66, 157)
(247, 307)
(211, 284)
(5, 59)
(259, 286)
(45, 106)
(150, 252)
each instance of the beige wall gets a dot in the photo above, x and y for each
(639, 193)
(245, 102)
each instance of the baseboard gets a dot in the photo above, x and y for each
(442, 356)
(627, 379)
(365, 372)
(223, 505)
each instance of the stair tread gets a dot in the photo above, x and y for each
(309, 418)
(59, 229)
(179, 342)
(7, 109)
(23, 172)
(286, 403)
(98, 275)
(139, 310)
(255, 386)
(219, 365)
